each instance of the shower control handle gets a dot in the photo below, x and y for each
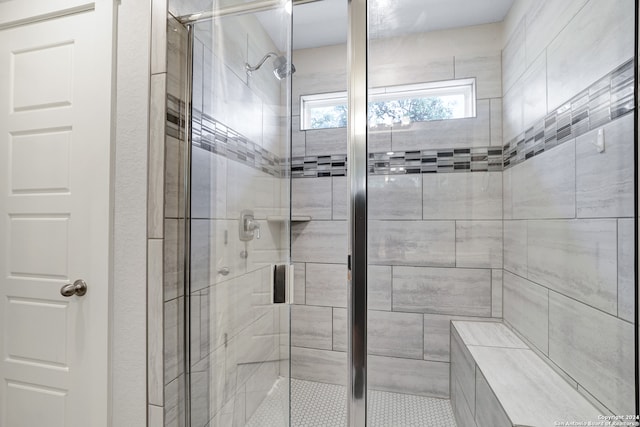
(79, 287)
(253, 226)
(248, 226)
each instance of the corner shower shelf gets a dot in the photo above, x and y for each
(283, 218)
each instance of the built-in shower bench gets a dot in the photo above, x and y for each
(498, 381)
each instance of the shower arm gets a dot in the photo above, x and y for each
(249, 68)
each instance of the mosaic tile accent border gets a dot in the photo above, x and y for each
(607, 99)
(477, 159)
(211, 135)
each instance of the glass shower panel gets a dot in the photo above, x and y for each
(240, 216)
(501, 193)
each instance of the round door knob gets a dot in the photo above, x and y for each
(79, 287)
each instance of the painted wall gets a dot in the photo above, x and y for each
(128, 345)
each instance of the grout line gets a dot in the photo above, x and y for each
(391, 286)
(618, 268)
(568, 297)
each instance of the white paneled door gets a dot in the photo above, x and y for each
(55, 148)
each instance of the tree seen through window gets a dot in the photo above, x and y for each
(388, 113)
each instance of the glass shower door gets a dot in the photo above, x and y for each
(500, 197)
(238, 312)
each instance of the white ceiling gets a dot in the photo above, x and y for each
(324, 22)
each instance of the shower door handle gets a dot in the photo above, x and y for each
(282, 284)
(79, 287)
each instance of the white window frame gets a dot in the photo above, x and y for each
(466, 87)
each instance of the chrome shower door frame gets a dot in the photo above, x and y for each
(357, 47)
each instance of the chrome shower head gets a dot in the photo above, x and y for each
(281, 67)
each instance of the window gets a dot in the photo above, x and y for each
(394, 105)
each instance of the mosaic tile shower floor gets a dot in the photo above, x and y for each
(324, 405)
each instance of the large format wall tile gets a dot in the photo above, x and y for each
(461, 409)
(340, 329)
(488, 334)
(311, 197)
(306, 83)
(456, 291)
(202, 232)
(252, 189)
(208, 184)
(544, 20)
(576, 258)
(273, 125)
(390, 333)
(528, 388)
(507, 194)
(496, 292)
(544, 186)
(486, 69)
(379, 140)
(173, 326)
(326, 285)
(299, 283)
(322, 142)
(235, 304)
(463, 368)
(437, 334)
(298, 141)
(319, 365)
(412, 243)
(462, 195)
(174, 181)
(173, 258)
(626, 275)
(384, 58)
(513, 57)
(319, 241)
(259, 341)
(513, 111)
(534, 83)
(496, 121)
(526, 308)
(340, 191)
(234, 103)
(420, 377)
(604, 181)
(604, 366)
(311, 326)
(394, 197)
(395, 334)
(174, 405)
(515, 247)
(453, 133)
(258, 387)
(578, 57)
(489, 412)
(379, 287)
(479, 244)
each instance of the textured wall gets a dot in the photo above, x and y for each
(128, 357)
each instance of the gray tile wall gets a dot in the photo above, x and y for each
(568, 211)
(236, 333)
(435, 246)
